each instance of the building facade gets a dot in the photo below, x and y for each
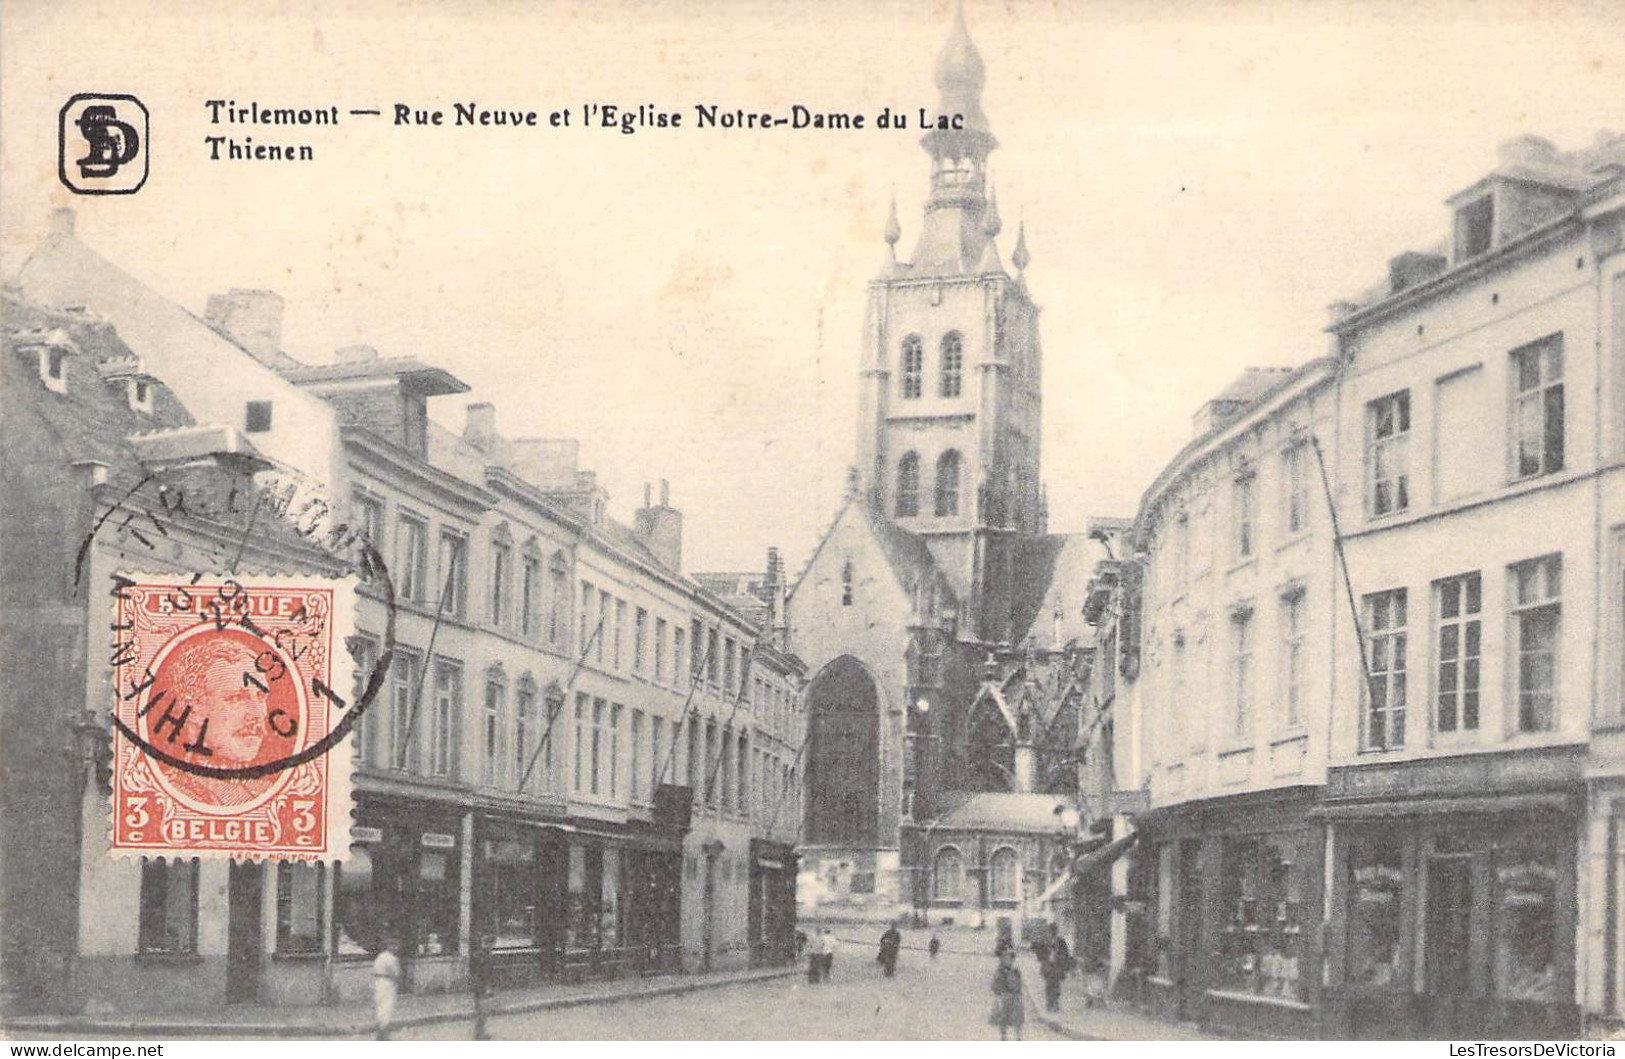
(1368, 746)
(580, 762)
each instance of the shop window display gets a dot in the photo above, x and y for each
(438, 902)
(1261, 942)
(1526, 923)
(1376, 890)
(510, 871)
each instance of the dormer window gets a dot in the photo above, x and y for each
(1475, 228)
(140, 393)
(53, 368)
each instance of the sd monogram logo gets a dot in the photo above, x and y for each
(103, 144)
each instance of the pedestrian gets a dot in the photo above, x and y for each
(479, 972)
(890, 943)
(386, 985)
(935, 946)
(828, 945)
(815, 960)
(1006, 943)
(1055, 963)
(1009, 1010)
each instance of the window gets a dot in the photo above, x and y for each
(742, 792)
(1526, 874)
(953, 364)
(694, 756)
(56, 360)
(501, 562)
(1243, 493)
(1388, 427)
(730, 663)
(908, 485)
(257, 419)
(657, 763)
(620, 632)
(1292, 658)
(846, 583)
(615, 751)
(448, 711)
(1005, 871)
(524, 730)
(635, 768)
(640, 636)
(1262, 884)
(453, 574)
(1376, 878)
(913, 366)
(729, 768)
(1537, 594)
(660, 649)
(948, 484)
(558, 601)
(1537, 408)
(1385, 698)
(402, 704)
(599, 708)
(587, 630)
(1475, 228)
(947, 875)
(368, 513)
(529, 583)
(364, 651)
(415, 425)
(1296, 479)
(299, 907)
(677, 647)
(1460, 637)
(412, 541)
(713, 664)
(711, 763)
(606, 614)
(491, 734)
(1241, 629)
(580, 740)
(168, 920)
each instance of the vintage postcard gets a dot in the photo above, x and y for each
(925, 520)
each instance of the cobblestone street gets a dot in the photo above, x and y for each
(948, 999)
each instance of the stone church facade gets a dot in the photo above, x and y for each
(939, 620)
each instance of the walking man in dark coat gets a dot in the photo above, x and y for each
(890, 943)
(1055, 963)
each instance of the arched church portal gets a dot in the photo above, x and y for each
(843, 774)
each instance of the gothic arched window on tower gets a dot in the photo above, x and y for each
(948, 483)
(908, 485)
(953, 363)
(846, 584)
(913, 366)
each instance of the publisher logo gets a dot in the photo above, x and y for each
(103, 145)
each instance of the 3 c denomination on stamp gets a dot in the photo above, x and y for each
(229, 694)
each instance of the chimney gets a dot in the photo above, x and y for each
(62, 220)
(252, 318)
(480, 428)
(1411, 268)
(661, 528)
(776, 598)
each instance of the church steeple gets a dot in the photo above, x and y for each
(952, 238)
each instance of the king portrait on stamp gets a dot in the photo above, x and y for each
(223, 690)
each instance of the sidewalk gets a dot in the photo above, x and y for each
(1078, 1023)
(355, 1020)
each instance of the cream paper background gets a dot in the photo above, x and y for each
(1198, 181)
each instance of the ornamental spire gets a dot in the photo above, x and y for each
(991, 223)
(1019, 256)
(894, 231)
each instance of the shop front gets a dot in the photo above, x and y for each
(772, 905)
(1222, 914)
(402, 881)
(622, 894)
(1453, 900)
(518, 898)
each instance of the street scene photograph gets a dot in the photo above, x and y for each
(933, 520)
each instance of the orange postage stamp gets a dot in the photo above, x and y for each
(230, 695)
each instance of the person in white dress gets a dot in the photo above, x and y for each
(386, 986)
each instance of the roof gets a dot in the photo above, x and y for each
(428, 379)
(1006, 811)
(1050, 574)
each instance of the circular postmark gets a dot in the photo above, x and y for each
(223, 709)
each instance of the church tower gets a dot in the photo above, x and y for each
(951, 380)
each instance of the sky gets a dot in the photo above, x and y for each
(1198, 181)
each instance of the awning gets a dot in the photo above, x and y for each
(1481, 804)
